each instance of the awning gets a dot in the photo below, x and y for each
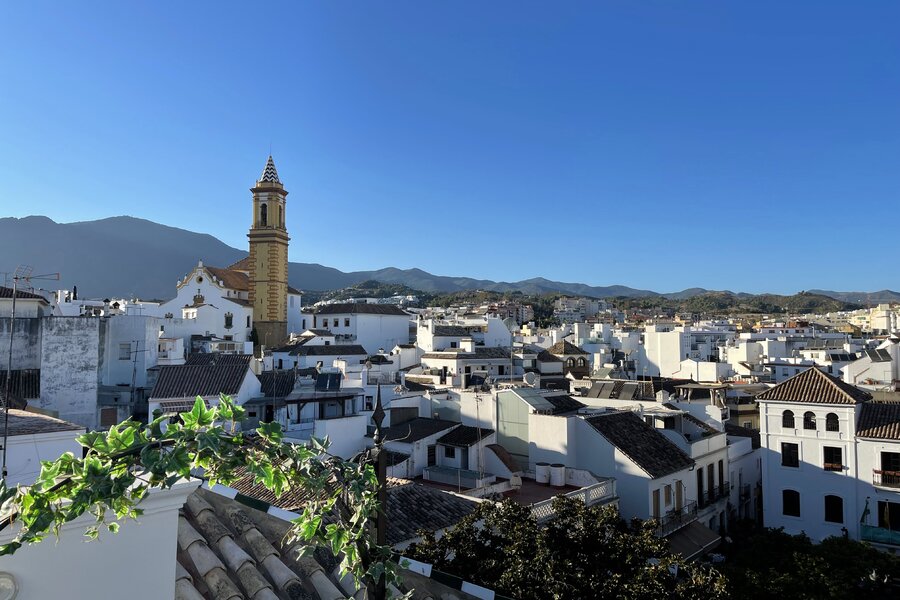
(176, 407)
(693, 540)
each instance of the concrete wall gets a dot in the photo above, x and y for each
(347, 435)
(142, 335)
(71, 355)
(26, 343)
(25, 453)
(137, 563)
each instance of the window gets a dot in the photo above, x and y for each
(790, 454)
(787, 419)
(570, 362)
(790, 503)
(335, 322)
(831, 422)
(347, 322)
(667, 494)
(263, 214)
(581, 362)
(834, 509)
(229, 320)
(369, 403)
(833, 459)
(248, 320)
(303, 324)
(125, 351)
(449, 452)
(109, 416)
(809, 420)
(747, 424)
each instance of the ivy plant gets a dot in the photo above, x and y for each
(122, 464)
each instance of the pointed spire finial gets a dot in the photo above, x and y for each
(269, 173)
(378, 417)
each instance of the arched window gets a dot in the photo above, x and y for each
(570, 362)
(787, 419)
(229, 320)
(581, 362)
(834, 509)
(790, 503)
(809, 420)
(263, 214)
(831, 422)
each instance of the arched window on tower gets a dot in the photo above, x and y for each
(280, 216)
(263, 215)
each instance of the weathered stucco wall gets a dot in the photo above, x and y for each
(26, 343)
(71, 355)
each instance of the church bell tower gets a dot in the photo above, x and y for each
(269, 258)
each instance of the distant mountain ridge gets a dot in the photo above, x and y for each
(127, 256)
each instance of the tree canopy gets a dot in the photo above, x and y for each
(585, 552)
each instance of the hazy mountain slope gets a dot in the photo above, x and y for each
(125, 256)
(861, 297)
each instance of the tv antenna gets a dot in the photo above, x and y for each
(22, 273)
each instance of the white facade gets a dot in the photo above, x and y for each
(372, 331)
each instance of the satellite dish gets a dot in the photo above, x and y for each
(530, 378)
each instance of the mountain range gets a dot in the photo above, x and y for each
(135, 258)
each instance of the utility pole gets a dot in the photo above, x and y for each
(23, 272)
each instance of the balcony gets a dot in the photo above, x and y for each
(676, 518)
(833, 466)
(597, 493)
(879, 535)
(889, 479)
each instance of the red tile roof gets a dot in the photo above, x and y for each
(814, 386)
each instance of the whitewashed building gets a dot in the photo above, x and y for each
(826, 450)
(373, 326)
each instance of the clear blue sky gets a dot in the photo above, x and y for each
(750, 146)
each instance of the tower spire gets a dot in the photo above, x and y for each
(269, 173)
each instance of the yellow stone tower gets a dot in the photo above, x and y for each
(269, 258)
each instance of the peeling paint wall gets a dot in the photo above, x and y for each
(71, 356)
(26, 343)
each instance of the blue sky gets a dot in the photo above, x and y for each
(661, 145)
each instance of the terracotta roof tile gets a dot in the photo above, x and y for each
(642, 443)
(361, 308)
(564, 348)
(814, 386)
(877, 420)
(187, 381)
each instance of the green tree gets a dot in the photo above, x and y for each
(770, 563)
(584, 552)
(122, 464)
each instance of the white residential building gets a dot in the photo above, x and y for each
(831, 460)
(373, 326)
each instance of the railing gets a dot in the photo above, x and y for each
(676, 518)
(590, 495)
(879, 535)
(886, 478)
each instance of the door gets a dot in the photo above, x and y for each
(679, 495)
(432, 455)
(655, 504)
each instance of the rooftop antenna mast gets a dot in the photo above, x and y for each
(22, 273)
